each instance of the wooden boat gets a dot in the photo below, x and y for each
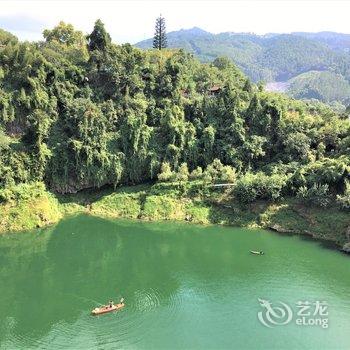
(106, 308)
(257, 252)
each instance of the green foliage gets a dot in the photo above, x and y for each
(27, 206)
(316, 195)
(330, 172)
(99, 39)
(7, 38)
(344, 199)
(166, 174)
(4, 140)
(81, 112)
(159, 39)
(312, 65)
(272, 57)
(196, 173)
(64, 34)
(119, 205)
(251, 187)
(22, 192)
(217, 172)
(183, 173)
(163, 208)
(324, 86)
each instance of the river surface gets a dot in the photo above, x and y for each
(185, 287)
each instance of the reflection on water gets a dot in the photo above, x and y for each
(184, 286)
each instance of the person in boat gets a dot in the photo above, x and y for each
(259, 252)
(110, 304)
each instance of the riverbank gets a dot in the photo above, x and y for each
(31, 206)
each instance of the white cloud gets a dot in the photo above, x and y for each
(131, 21)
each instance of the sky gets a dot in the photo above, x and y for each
(133, 20)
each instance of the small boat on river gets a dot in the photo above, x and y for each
(108, 308)
(257, 252)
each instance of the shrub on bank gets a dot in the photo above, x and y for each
(317, 194)
(217, 172)
(22, 192)
(344, 200)
(251, 187)
(118, 205)
(165, 173)
(163, 207)
(27, 206)
(328, 171)
(196, 174)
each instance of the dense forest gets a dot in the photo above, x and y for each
(81, 112)
(324, 86)
(276, 57)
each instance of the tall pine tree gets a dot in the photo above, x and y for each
(160, 40)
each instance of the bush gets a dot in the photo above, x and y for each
(22, 192)
(165, 172)
(344, 200)
(251, 187)
(318, 195)
(216, 171)
(119, 204)
(4, 140)
(213, 170)
(163, 207)
(183, 173)
(332, 172)
(228, 174)
(196, 174)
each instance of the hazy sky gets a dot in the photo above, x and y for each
(132, 21)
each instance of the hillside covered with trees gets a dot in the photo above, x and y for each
(81, 112)
(273, 57)
(324, 86)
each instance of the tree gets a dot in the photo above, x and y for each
(160, 40)
(65, 34)
(99, 39)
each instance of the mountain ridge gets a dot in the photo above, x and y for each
(270, 57)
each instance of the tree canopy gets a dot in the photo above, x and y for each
(79, 112)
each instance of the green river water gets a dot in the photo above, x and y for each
(185, 287)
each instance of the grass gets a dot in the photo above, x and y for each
(192, 202)
(30, 213)
(118, 205)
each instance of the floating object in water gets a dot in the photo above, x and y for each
(108, 308)
(257, 252)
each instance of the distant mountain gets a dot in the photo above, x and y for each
(324, 86)
(336, 41)
(270, 57)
